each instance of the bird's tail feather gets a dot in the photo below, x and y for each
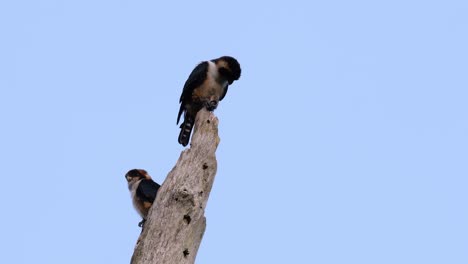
(185, 131)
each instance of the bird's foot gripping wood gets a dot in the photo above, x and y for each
(142, 223)
(211, 105)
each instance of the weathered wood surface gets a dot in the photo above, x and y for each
(176, 222)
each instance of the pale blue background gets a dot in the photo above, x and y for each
(344, 141)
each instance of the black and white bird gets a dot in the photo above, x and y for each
(205, 87)
(143, 191)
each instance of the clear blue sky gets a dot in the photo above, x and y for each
(344, 141)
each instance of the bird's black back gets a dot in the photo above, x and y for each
(194, 80)
(147, 190)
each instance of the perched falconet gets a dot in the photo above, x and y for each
(205, 87)
(143, 191)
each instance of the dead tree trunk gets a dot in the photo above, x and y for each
(176, 222)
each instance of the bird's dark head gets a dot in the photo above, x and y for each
(136, 174)
(229, 68)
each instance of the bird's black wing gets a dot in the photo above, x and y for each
(147, 190)
(194, 80)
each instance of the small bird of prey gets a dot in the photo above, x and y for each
(205, 87)
(143, 191)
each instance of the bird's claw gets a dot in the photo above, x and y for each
(142, 223)
(211, 105)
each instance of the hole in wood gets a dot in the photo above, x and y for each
(186, 252)
(208, 121)
(205, 166)
(184, 197)
(187, 219)
(200, 193)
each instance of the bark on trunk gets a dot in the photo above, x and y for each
(174, 229)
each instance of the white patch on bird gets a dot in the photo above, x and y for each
(215, 80)
(213, 70)
(132, 186)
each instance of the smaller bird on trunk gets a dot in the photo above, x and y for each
(143, 191)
